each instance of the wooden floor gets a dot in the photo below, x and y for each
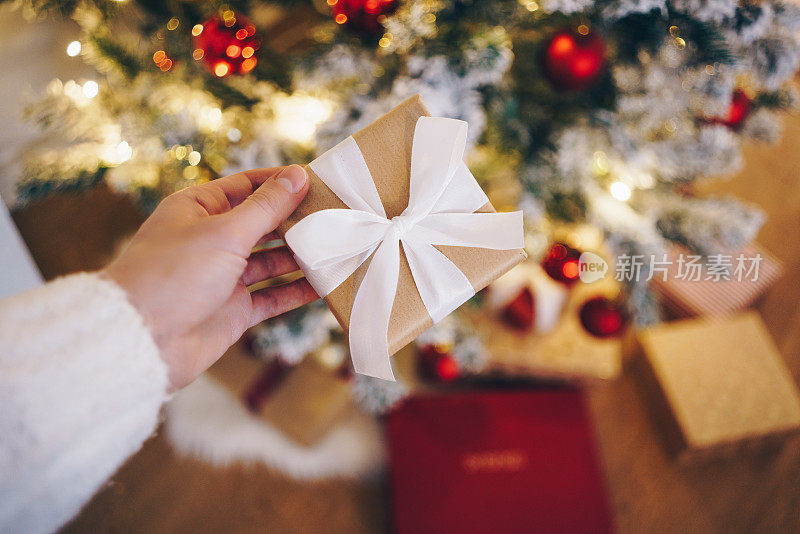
(157, 491)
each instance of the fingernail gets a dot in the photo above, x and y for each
(292, 178)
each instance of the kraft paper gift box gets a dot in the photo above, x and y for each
(303, 402)
(715, 386)
(386, 147)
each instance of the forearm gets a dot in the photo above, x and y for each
(81, 385)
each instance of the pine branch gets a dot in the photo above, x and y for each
(227, 95)
(125, 61)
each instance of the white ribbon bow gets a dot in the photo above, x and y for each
(331, 244)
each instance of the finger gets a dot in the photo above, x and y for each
(273, 301)
(266, 208)
(239, 186)
(268, 264)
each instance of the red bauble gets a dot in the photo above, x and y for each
(226, 45)
(602, 317)
(574, 60)
(362, 15)
(520, 313)
(737, 111)
(561, 263)
(436, 363)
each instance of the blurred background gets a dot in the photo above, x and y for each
(659, 139)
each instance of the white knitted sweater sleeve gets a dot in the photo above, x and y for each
(81, 385)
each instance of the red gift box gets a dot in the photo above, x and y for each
(499, 462)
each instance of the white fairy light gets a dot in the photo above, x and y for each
(298, 116)
(620, 191)
(90, 89)
(73, 90)
(124, 152)
(74, 48)
(193, 158)
(210, 118)
(234, 135)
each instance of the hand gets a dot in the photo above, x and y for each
(188, 267)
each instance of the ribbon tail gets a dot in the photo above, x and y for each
(372, 308)
(442, 285)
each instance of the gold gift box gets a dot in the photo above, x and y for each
(717, 384)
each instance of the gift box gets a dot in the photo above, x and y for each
(500, 462)
(717, 385)
(304, 402)
(563, 350)
(424, 197)
(703, 293)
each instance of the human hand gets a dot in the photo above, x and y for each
(188, 267)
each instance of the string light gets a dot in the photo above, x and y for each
(117, 153)
(620, 191)
(90, 89)
(234, 135)
(74, 48)
(221, 69)
(298, 116)
(124, 152)
(193, 158)
(210, 118)
(600, 162)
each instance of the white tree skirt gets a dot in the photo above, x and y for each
(206, 421)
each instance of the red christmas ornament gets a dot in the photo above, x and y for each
(602, 317)
(574, 60)
(520, 312)
(738, 111)
(226, 44)
(561, 263)
(363, 16)
(436, 363)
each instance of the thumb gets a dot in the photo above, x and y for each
(268, 206)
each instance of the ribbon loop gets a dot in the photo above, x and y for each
(331, 244)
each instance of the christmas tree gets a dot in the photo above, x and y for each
(603, 112)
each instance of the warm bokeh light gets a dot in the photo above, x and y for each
(221, 69)
(248, 65)
(233, 51)
(74, 48)
(234, 135)
(90, 89)
(571, 269)
(620, 191)
(298, 116)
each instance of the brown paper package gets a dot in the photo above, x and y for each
(386, 146)
(306, 404)
(716, 386)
